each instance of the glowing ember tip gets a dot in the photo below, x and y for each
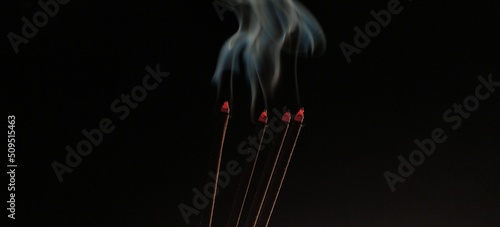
(286, 117)
(300, 115)
(263, 117)
(225, 107)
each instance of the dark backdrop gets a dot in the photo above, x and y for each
(360, 116)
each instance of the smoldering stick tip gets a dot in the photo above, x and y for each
(300, 115)
(225, 108)
(263, 117)
(286, 117)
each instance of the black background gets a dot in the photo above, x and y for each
(359, 117)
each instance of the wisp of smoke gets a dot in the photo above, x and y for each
(265, 26)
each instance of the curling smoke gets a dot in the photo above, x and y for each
(265, 27)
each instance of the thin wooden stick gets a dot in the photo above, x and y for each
(224, 110)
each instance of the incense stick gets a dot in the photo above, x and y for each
(268, 172)
(224, 110)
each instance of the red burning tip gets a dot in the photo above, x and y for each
(263, 117)
(286, 117)
(300, 115)
(225, 107)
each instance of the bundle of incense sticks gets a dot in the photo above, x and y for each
(262, 177)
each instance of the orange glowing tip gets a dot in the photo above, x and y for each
(263, 117)
(286, 117)
(300, 115)
(225, 107)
